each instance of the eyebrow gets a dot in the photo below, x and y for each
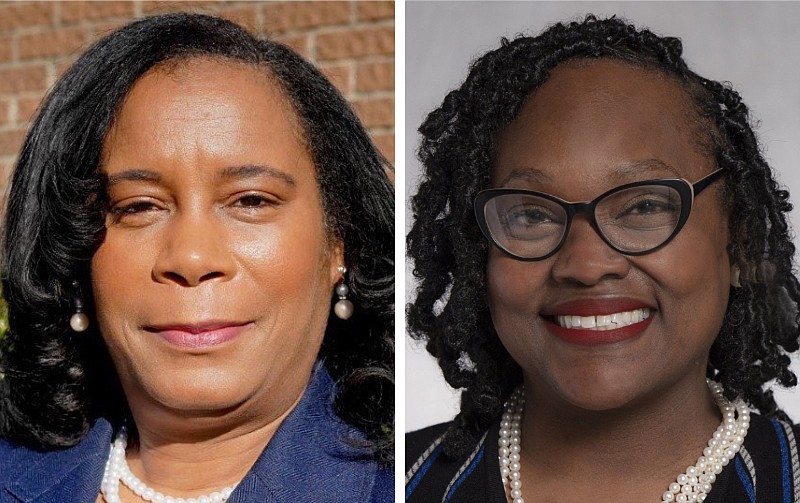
(656, 167)
(134, 175)
(621, 172)
(255, 171)
(528, 174)
(233, 172)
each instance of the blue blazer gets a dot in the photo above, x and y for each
(309, 459)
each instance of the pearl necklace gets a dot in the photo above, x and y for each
(691, 486)
(117, 471)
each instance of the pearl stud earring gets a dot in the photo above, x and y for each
(343, 308)
(79, 322)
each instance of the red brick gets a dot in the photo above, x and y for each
(5, 111)
(27, 106)
(339, 75)
(64, 64)
(100, 30)
(52, 43)
(6, 168)
(17, 15)
(385, 143)
(300, 44)
(154, 7)
(375, 112)
(296, 15)
(356, 43)
(11, 141)
(5, 48)
(27, 78)
(79, 11)
(375, 10)
(375, 76)
(5, 176)
(244, 16)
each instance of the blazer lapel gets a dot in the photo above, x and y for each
(314, 456)
(72, 474)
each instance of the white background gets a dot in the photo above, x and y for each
(754, 45)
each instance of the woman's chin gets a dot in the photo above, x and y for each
(598, 392)
(202, 404)
(197, 395)
(602, 401)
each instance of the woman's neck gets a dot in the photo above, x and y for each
(638, 449)
(194, 456)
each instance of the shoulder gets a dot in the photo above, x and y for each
(420, 440)
(61, 473)
(383, 487)
(431, 475)
(16, 459)
(12, 458)
(767, 467)
(768, 438)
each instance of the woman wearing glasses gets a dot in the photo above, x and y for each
(605, 269)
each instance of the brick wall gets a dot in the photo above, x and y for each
(353, 43)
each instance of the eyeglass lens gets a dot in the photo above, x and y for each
(636, 219)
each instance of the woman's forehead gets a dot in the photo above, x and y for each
(586, 90)
(598, 115)
(208, 112)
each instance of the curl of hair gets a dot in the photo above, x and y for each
(449, 252)
(56, 383)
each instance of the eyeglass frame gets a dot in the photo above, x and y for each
(686, 190)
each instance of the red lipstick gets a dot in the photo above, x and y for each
(588, 337)
(596, 307)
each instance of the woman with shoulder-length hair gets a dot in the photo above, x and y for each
(605, 271)
(198, 262)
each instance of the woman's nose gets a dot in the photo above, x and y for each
(586, 259)
(192, 252)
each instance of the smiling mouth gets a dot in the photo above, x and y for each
(602, 322)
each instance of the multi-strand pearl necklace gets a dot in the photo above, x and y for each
(691, 486)
(117, 471)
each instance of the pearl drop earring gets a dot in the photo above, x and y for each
(79, 322)
(344, 308)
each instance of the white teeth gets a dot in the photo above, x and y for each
(604, 321)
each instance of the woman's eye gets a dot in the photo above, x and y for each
(649, 206)
(136, 213)
(529, 216)
(134, 208)
(254, 201)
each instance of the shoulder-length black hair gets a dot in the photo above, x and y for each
(449, 251)
(55, 382)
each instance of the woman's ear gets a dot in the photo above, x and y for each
(337, 261)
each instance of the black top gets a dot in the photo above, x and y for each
(766, 469)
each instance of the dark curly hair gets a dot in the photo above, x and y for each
(55, 383)
(450, 253)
